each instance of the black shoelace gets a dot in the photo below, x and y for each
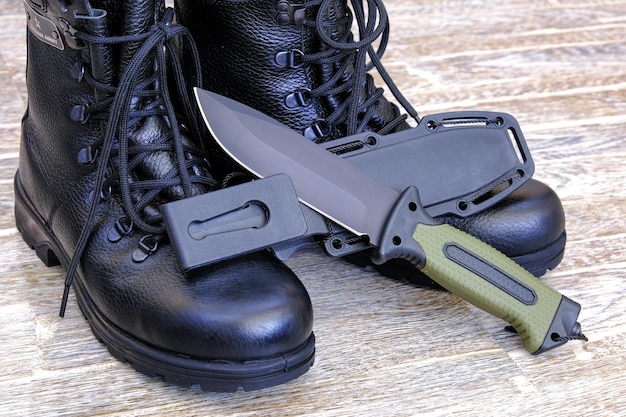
(116, 157)
(349, 55)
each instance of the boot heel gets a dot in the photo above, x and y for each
(32, 229)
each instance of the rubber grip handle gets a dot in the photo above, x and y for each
(478, 273)
(489, 280)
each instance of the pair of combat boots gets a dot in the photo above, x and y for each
(111, 133)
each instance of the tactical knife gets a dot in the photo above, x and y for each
(395, 223)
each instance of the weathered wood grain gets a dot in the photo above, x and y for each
(385, 347)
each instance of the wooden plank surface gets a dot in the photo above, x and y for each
(385, 347)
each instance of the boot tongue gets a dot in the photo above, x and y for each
(129, 18)
(139, 17)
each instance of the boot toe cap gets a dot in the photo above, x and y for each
(246, 308)
(242, 309)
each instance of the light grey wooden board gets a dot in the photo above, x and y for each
(386, 347)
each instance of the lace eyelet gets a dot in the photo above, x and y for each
(148, 244)
(69, 32)
(299, 98)
(104, 194)
(317, 129)
(122, 227)
(88, 155)
(290, 59)
(289, 13)
(77, 71)
(79, 114)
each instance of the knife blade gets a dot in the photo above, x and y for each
(395, 223)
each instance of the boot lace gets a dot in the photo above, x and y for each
(358, 95)
(117, 158)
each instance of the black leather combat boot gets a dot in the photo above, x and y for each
(299, 63)
(102, 149)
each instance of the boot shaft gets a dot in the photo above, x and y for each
(57, 62)
(239, 43)
(275, 56)
(75, 68)
(54, 127)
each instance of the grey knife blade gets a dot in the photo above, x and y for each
(326, 183)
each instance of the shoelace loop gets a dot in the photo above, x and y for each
(350, 55)
(157, 44)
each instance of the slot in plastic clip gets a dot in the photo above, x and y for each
(232, 221)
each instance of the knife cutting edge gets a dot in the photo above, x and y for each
(396, 223)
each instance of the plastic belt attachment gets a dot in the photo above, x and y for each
(233, 221)
(461, 163)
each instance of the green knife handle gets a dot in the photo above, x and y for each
(480, 274)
